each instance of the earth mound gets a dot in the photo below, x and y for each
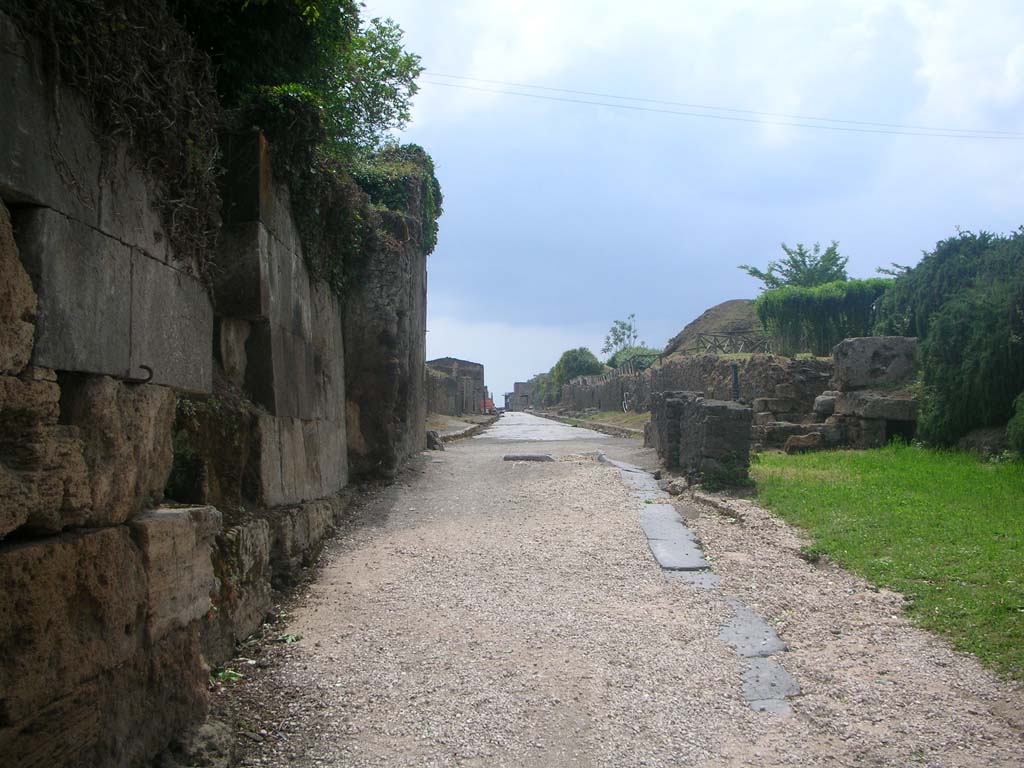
(733, 316)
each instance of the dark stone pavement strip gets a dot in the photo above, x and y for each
(749, 634)
(765, 683)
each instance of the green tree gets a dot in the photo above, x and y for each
(802, 268)
(622, 335)
(352, 74)
(573, 362)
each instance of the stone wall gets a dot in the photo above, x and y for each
(455, 387)
(120, 383)
(796, 382)
(384, 323)
(705, 440)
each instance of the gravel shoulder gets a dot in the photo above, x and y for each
(481, 612)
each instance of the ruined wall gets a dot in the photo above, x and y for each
(799, 380)
(455, 387)
(385, 320)
(113, 600)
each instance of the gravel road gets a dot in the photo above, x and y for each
(490, 613)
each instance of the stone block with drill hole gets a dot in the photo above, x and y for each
(176, 544)
(171, 326)
(873, 361)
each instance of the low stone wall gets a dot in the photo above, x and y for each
(799, 381)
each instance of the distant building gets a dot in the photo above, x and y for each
(463, 392)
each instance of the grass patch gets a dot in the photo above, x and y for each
(945, 529)
(629, 419)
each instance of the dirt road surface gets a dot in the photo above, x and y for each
(489, 613)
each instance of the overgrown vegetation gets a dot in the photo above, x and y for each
(965, 301)
(327, 87)
(816, 319)
(148, 86)
(942, 528)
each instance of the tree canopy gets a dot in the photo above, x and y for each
(622, 335)
(802, 268)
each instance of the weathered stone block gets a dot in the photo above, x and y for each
(71, 607)
(333, 456)
(49, 154)
(43, 476)
(873, 361)
(127, 207)
(232, 336)
(271, 476)
(17, 303)
(171, 326)
(126, 441)
(876, 405)
(176, 546)
(242, 561)
(825, 404)
(241, 284)
(121, 717)
(296, 534)
(84, 284)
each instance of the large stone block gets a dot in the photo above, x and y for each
(242, 561)
(125, 431)
(876, 405)
(43, 476)
(176, 546)
(50, 156)
(873, 362)
(84, 284)
(71, 607)
(17, 303)
(232, 337)
(127, 207)
(121, 717)
(171, 326)
(297, 533)
(329, 356)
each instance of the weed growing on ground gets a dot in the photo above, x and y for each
(944, 528)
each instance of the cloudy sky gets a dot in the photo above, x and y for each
(562, 216)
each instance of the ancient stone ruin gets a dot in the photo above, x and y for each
(871, 401)
(707, 441)
(170, 446)
(455, 387)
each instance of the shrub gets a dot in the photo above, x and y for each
(816, 319)
(965, 301)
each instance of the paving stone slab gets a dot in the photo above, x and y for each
(766, 685)
(749, 634)
(528, 457)
(661, 521)
(677, 555)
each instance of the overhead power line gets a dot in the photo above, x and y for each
(737, 115)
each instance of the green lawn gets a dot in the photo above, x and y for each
(942, 528)
(629, 419)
